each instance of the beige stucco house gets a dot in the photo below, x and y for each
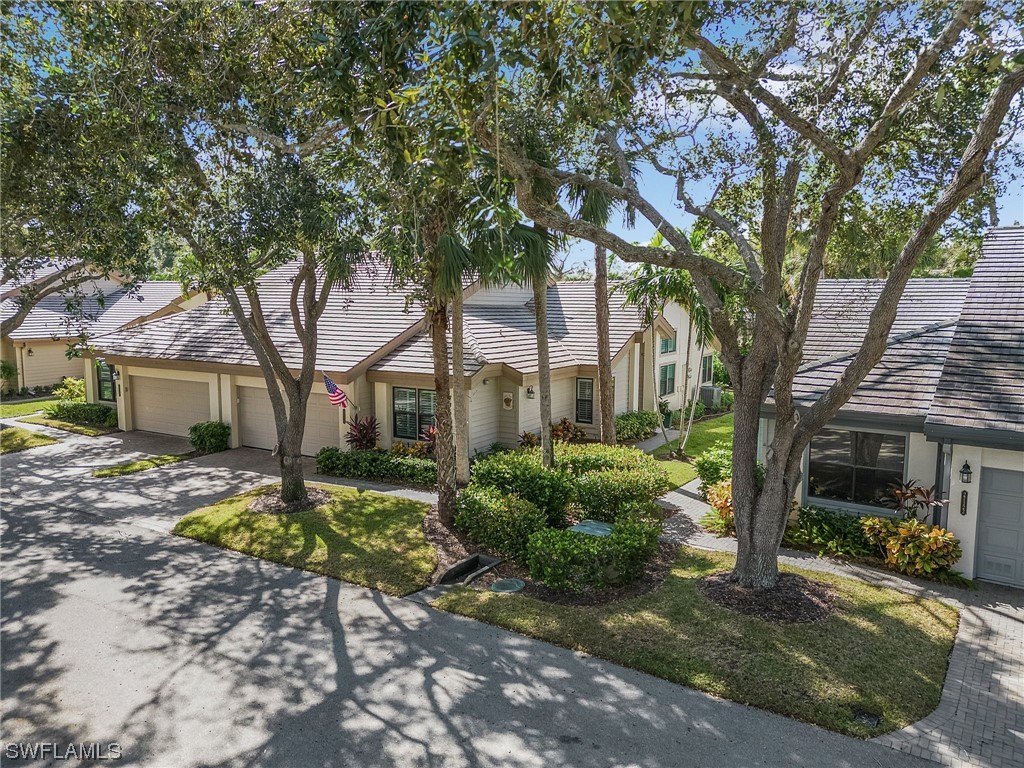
(194, 366)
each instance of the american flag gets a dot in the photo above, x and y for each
(335, 393)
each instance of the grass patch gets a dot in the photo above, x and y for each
(67, 426)
(131, 467)
(11, 410)
(362, 537)
(704, 435)
(13, 439)
(883, 651)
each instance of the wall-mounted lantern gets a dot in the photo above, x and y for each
(965, 474)
(530, 394)
(30, 352)
(114, 373)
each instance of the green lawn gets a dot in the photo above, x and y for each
(16, 439)
(67, 426)
(883, 651)
(363, 537)
(11, 410)
(131, 467)
(704, 435)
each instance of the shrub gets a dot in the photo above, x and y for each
(70, 389)
(590, 457)
(377, 465)
(605, 494)
(428, 439)
(728, 398)
(502, 522)
(713, 466)
(719, 375)
(91, 414)
(698, 410)
(521, 472)
(417, 450)
(913, 547)
(720, 520)
(636, 425)
(363, 434)
(832, 533)
(210, 436)
(567, 560)
(908, 499)
(8, 374)
(566, 431)
(529, 439)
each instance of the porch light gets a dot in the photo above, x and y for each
(965, 474)
(530, 394)
(114, 373)
(30, 352)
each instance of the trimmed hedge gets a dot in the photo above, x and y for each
(502, 522)
(591, 457)
(377, 465)
(521, 473)
(575, 562)
(210, 436)
(606, 493)
(636, 425)
(75, 412)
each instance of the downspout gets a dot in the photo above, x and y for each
(943, 465)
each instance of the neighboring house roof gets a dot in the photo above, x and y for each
(507, 334)
(954, 364)
(903, 382)
(14, 287)
(981, 388)
(50, 318)
(357, 323)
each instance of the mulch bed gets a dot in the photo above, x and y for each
(272, 503)
(452, 546)
(794, 599)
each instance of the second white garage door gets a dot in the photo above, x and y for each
(168, 406)
(256, 421)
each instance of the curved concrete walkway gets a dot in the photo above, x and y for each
(186, 655)
(980, 718)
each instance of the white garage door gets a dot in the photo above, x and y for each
(1001, 526)
(168, 406)
(256, 418)
(322, 422)
(256, 421)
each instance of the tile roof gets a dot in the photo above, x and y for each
(955, 358)
(904, 380)
(981, 387)
(12, 287)
(358, 321)
(50, 317)
(507, 334)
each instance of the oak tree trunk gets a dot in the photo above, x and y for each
(540, 308)
(293, 485)
(461, 421)
(604, 352)
(444, 445)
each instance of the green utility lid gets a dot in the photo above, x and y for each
(507, 585)
(593, 528)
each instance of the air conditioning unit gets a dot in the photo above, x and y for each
(711, 396)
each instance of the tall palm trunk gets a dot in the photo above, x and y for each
(686, 381)
(693, 410)
(444, 453)
(540, 308)
(461, 424)
(604, 352)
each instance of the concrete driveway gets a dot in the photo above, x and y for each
(186, 655)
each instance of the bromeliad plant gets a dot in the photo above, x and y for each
(363, 434)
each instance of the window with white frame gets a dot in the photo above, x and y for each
(856, 467)
(413, 411)
(668, 343)
(667, 379)
(585, 401)
(707, 369)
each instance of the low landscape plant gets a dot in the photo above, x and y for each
(363, 434)
(521, 472)
(93, 414)
(721, 520)
(566, 431)
(9, 376)
(383, 466)
(636, 425)
(499, 521)
(590, 457)
(604, 494)
(210, 436)
(575, 562)
(529, 439)
(913, 547)
(713, 466)
(830, 532)
(70, 389)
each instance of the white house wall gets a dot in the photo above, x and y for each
(680, 320)
(47, 364)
